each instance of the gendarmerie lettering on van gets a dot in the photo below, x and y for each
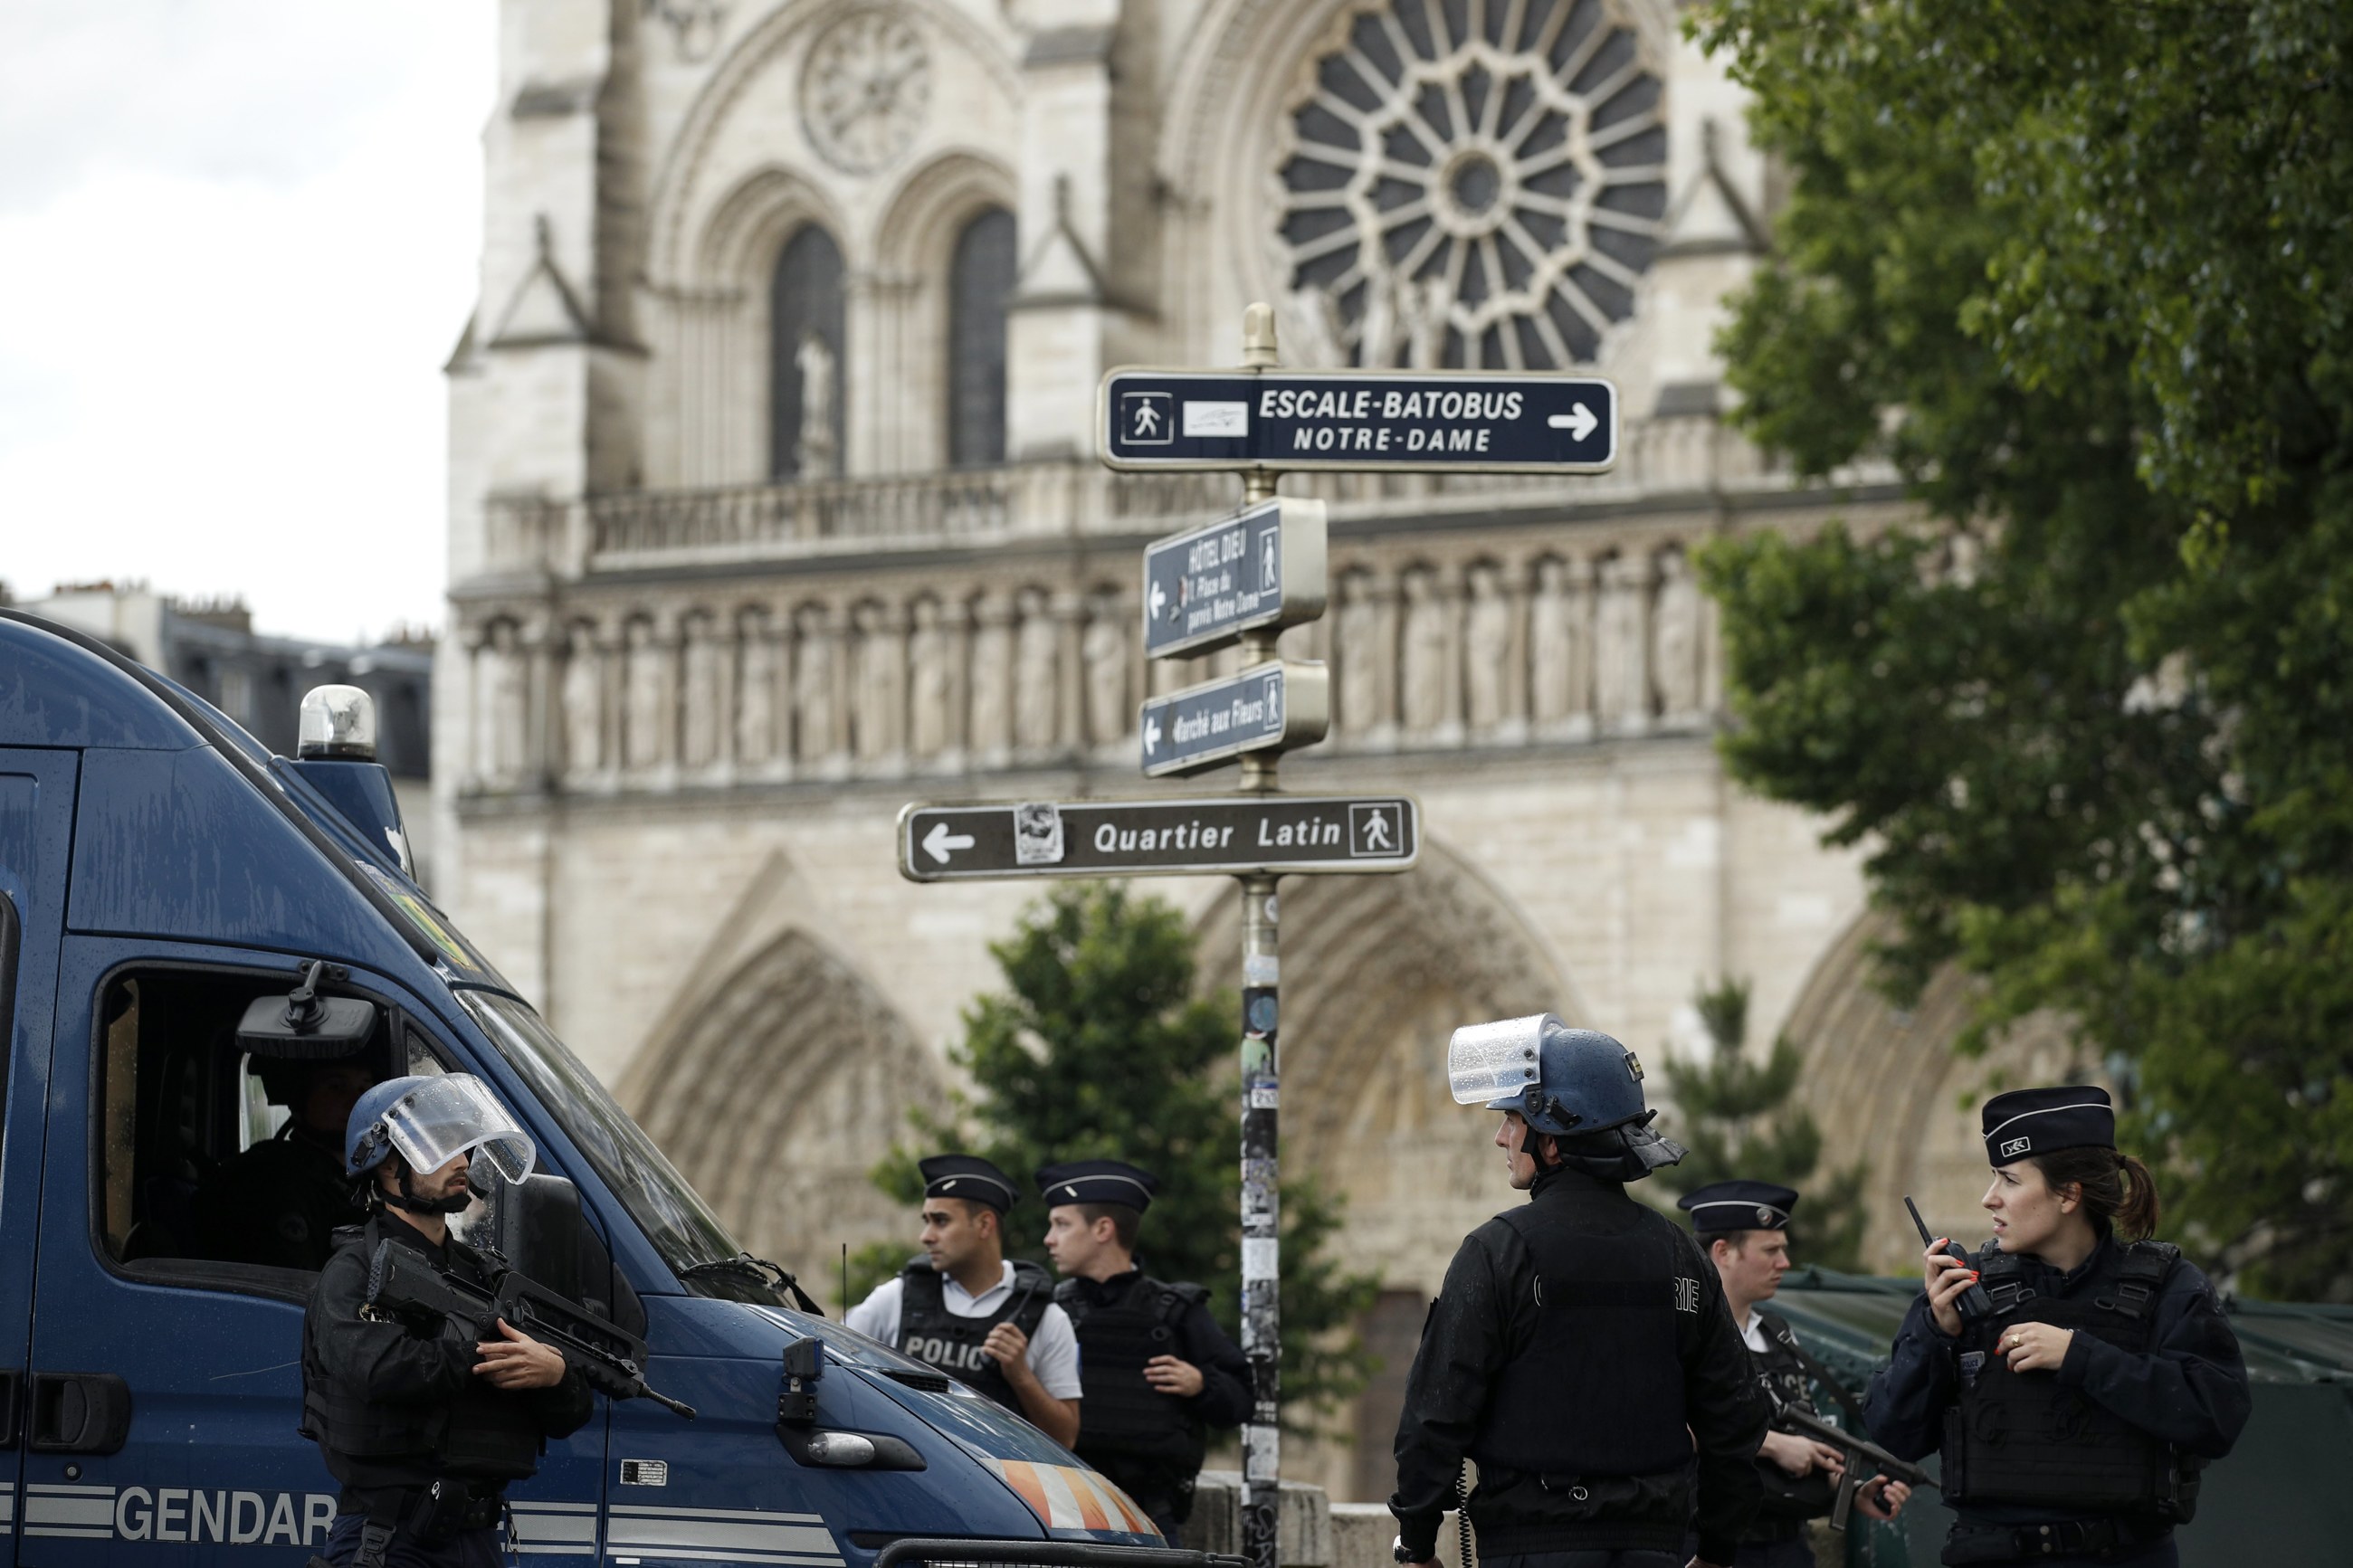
(197, 937)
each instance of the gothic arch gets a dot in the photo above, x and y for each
(769, 1093)
(913, 246)
(1377, 970)
(1886, 1086)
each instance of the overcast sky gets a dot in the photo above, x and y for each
(238, 240)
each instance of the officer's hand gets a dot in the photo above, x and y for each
(1881, 1497)
(1007, 1344)
(2036, 1347)
(1169, 1375)
(515, 1360)
(1801, 1456)
(1947, 1278)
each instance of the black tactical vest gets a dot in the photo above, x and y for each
(1126, 1418)
(1783, 1371)
(481, 1434)
(1599, 1388)
(2019, 1438)
(932, 1334)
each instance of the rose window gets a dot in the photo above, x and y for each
(1473, 184)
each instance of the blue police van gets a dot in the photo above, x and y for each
(161, 873)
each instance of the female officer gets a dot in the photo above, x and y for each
(2075, 1401)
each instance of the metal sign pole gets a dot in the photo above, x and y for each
(1262, 1315)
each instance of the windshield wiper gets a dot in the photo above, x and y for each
(774, 1276)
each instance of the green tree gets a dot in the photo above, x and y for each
(1099, 1047)
(1734, 1114)
(2077, 271)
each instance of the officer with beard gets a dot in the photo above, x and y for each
(424, 1431)
(1158, 1371)
(964, 1309)
(1744, 1226)
(1580, 1351)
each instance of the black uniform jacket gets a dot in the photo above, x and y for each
(1225, 1396)
(1484, 1315)
(2191, 1390)
(280, 1202)
(384, 1363)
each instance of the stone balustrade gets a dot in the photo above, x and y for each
(992, 661)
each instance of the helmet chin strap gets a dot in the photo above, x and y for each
(407, 1198)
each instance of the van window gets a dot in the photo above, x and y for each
(212, 1160)
(8, 936)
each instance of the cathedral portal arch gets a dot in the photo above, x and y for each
(1376, 972)
(774, 1094)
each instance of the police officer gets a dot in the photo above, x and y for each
(423, 1432)
(1744, 1227)
(1158, 1371)
(2076, 1403)
(963, 1309)
(280, 1202)
(1578, 1352)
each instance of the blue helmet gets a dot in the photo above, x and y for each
(1561, 1080)
(430, 1120)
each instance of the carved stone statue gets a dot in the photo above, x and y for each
(1429, 654)
(813, 360)
(652, 708)
(930, 682)
(881, 684)
(1034, 691)
(1487, 647)
(1104, 652)
(1423, 305)
(1358, 636)
(1674, 641)
(816, 735)
(1621, 644)
(992, 677)
(1560, 646)
(502, 703)
(700, 735)
(755, 690)
(584, 702)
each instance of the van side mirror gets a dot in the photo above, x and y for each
(536, 1226)
(304, 1026)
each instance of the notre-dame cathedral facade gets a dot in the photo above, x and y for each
(774, 506)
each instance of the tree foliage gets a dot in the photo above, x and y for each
(1734, 1115)
(1101, 1048)
(2079, 271)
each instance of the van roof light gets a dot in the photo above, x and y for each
(338, 724)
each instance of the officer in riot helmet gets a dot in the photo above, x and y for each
(425, 1431)
(2075, 1415)
(1158, 1371)
(964, 1309)
(1579, 1352)
(1745, 1226)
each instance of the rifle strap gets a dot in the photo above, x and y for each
(1848, 1403)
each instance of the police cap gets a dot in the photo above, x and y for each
(1722, 1206)
(1098, 1181)
(2037, 1120)
(969, 1177)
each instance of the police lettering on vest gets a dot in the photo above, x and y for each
(932, 1334)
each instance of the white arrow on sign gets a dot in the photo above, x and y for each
(1579, 420)
(1159, 597)
(939, 841)
(1152, 734)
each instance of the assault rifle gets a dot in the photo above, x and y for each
(1856, 1448)
(405, 1285)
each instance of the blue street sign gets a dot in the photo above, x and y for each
(1409, 421)
(1271, 706)
(1260, 568)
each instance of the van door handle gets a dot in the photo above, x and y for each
(77, 1413)
(11, 1384)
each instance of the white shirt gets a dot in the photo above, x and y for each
(1752, 1332)
(1053, 1348)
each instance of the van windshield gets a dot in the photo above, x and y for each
(670, 1213)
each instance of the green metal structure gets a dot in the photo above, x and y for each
(2283, 1496)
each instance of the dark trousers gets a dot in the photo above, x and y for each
(1587, 1560)
(467, 1549)
(2156, 1554)
(1774, 1555)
